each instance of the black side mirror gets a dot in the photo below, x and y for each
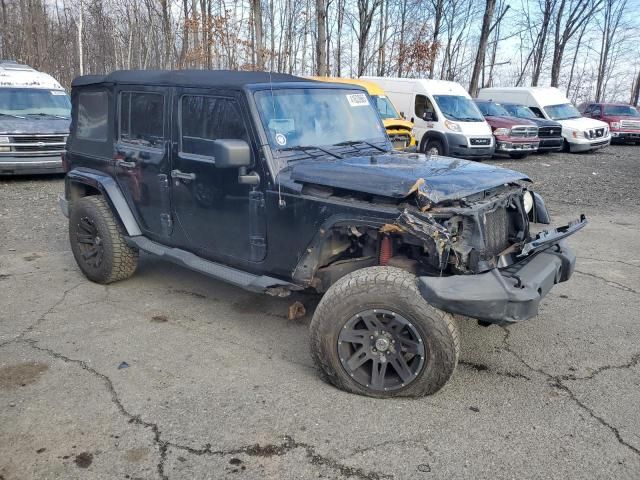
(428, 116)
(231, 153)
(402, 115)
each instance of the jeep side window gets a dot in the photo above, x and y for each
(92, 116)
(142, 118)
(205, 119)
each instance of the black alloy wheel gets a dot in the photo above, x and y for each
(90, 243)
(381, 350)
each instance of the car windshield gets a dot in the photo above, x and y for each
(33, 102)
(301, 118)
(385, 107)
(492, 109)
(459, 108)
(621, 110)
(519, 111)
(564, 111)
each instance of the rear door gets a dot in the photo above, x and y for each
(142, 157)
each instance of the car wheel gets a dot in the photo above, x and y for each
(518, 156)
(566, 147)
(434, 147)
(97, 242)
(374, 334)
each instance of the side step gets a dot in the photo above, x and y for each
(239, 278)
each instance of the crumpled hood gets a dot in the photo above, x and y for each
(399, 175)
(35, 125)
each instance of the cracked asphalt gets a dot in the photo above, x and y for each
(173, 375)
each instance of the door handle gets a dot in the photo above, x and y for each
(182, 175)
(125, 164)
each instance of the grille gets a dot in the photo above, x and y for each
(595, 133)
(480, 141)
(524, 132)
(496, 231)
(546, 132)
(400, 140)
(630, 124)
(37, 143)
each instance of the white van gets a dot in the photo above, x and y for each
(35, 114)
(446, 121)
(581, 134)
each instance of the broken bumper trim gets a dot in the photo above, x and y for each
(504, 295)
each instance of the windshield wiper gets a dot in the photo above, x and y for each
(354, 143)
(10, 115)
(40, 114)
(306, 148)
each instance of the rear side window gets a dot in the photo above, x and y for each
(92, 117)
(142, 118)
(204, 119)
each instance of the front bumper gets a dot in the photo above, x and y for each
(23, 165)
(510, 146)
(552, 144)
(626, 136)
(458, 146)
(587, 145)
(502, 295)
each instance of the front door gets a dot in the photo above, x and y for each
(141, 157)
(216, 213)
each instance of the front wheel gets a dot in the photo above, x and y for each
(434, 147)
(373, 334)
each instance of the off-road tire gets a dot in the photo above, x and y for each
(384, 288)
(119, 260)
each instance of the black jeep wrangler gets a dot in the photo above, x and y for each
(276, 183)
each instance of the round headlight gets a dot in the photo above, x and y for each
(527, 198)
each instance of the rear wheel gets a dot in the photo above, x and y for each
(373, 334)
(97, 242)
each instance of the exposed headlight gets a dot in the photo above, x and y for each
(615, 125)
(453, 126)
(4, 148)
(527, 198)
(502, 131)
(586, 134)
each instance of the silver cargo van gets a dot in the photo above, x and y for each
(34, 120)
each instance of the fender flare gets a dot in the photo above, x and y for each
(109, 189)
(434, 135)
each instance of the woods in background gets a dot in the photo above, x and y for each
(588, 47)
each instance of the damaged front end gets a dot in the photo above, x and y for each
(477, 256)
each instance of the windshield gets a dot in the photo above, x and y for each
(385, 107)
(304, 117)
(24, 102)
(564, 111)
(458, 107)
(621, 110)
(492, 109)
(519, 111)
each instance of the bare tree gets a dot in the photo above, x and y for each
(612, 15)
(321, 43)
(482, 46)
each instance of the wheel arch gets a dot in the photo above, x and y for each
(434, 135)
(86, 182)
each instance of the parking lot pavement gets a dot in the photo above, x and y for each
(173, 375)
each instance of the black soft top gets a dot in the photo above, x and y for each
(209, 78)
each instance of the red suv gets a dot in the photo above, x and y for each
(623, 120)
(516, 137)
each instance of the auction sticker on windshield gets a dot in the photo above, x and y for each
(357, 99)
(281, 139)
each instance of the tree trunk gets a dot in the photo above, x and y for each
(482, 47)
(635, 91)
(321, 43)
(257, 29)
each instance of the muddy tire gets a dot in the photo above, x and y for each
(373, 334)
(434, 147)
(97, 242)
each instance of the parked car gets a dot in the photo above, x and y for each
(549, 132)
(34, 120)
(580, 134)
(514, 136)
(446, 121)
(623, 120)
(400, 130)
(277, 184)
